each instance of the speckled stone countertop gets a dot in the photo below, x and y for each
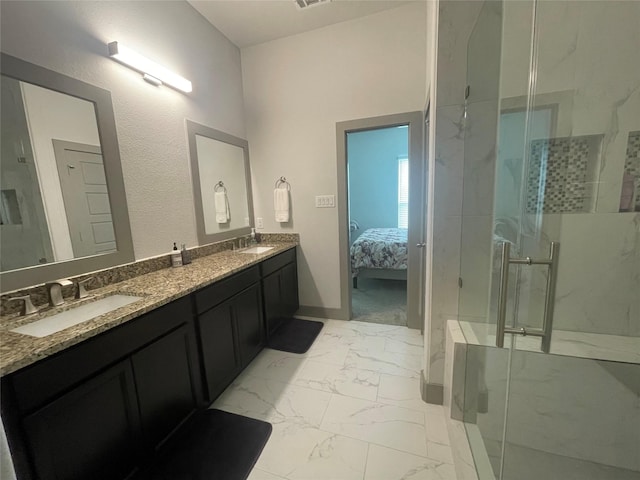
(157, 288)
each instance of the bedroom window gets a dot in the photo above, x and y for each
(403, 192)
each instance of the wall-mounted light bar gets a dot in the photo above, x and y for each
(152, 72)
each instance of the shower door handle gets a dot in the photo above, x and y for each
(547, 321)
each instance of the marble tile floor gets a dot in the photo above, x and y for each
(348, 409)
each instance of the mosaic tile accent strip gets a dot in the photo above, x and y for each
(632, 169)
(557, 177)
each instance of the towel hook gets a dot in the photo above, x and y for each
(283, 181)
(218, 186)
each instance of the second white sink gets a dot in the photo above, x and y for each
(74, 316)
(255, 250)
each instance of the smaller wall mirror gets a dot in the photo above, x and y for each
(221, 183)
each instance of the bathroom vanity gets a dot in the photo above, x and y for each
(97, 399)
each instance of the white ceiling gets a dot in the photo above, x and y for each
(250, 22)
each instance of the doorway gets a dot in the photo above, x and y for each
(380, 178)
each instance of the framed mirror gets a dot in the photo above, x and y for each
(221, 183)
(63, 210)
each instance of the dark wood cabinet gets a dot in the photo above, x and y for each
(289, 289)
(280, 289)
(92, 431)
(272, 292)
(219, 353)
(167, 380)
(97, 409)
(247, 308)
(231, 333)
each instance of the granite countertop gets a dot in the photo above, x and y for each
(157, 288)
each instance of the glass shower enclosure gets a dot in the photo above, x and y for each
(550, 262)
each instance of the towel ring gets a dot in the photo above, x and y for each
(219, 186)
(283, 181)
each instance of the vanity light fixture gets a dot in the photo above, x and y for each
(152, 72)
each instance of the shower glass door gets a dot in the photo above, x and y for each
(553, 113)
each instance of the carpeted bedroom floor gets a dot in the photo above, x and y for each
(380, 301)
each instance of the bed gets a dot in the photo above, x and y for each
(380, 253)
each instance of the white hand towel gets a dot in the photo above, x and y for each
(222, 207)
(281, 204)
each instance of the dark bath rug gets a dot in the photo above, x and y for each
(211, 445)
(295, 335)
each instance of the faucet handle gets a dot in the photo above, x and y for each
(81, 291)
(27, 306)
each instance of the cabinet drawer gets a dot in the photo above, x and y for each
(275, 263)
(41, 382)
(215, 294)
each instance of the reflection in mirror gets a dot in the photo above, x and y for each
(62, 205)
(52, 178)
(222, 165)
(221, 183)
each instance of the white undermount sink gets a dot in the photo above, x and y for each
(256, 250)
(74, 316)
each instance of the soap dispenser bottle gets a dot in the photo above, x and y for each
(253, 240)
(186, 255)
(176, 257)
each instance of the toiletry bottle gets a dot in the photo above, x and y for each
(253, 236)
(186, 255)
(176, 258)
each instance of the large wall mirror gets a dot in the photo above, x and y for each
(221, 183)
(63, 209)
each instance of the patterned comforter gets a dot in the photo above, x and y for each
(380, 248)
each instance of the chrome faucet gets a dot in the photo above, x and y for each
(54, 289)
(27, 306)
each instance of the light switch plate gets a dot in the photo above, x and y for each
(325, 201)
(259, 223)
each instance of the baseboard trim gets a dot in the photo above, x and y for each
(321, 312)
(431, 392)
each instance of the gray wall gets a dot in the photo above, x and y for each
(71, 38)
(296, 89)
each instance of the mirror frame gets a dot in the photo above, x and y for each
(31, 276)
(194, 129)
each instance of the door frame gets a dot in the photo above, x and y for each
(414, 120)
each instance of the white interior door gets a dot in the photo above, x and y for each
(86, 198)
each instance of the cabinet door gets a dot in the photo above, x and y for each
(289, 289)
(248, 314)
(217, 337)
(91, 431)
(272, 295)
(166, 377)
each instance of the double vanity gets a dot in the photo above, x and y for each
(93, 387)
(97, 399)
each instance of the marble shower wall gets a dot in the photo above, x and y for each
(588, 73)
(588, 53)
(598, 276)
(455, 23)
(465, 164)
(574, 407)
